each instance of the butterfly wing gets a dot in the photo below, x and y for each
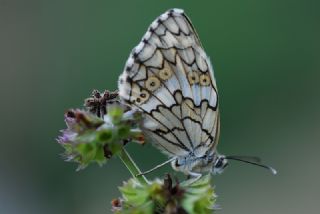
(169, 77)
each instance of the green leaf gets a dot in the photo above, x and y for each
(100, 158)
(199, 196)
(123, 131)
(134, 193)
(104, 135)
(115, 113)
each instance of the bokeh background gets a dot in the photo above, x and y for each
(266, 60)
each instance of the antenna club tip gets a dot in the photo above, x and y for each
(274, 172)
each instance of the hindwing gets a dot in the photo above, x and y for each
(169, 77)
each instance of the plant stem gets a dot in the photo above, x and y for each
(132, 166)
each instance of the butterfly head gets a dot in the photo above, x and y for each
(219, 165)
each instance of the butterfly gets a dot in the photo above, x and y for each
(170, 79)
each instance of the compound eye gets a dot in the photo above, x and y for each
(219, 163)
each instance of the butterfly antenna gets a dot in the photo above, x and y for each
(245, 159)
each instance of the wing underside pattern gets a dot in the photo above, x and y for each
(169, 77)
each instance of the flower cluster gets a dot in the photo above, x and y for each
(164, 197)
(89, 138)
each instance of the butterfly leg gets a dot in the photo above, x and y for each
(156, 167)
(193, 177)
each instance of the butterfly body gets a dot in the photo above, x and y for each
(169, 77)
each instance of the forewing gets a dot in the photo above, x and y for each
(169, 77)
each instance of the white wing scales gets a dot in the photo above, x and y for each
(169, 77)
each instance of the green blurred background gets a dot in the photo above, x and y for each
(266, 60)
